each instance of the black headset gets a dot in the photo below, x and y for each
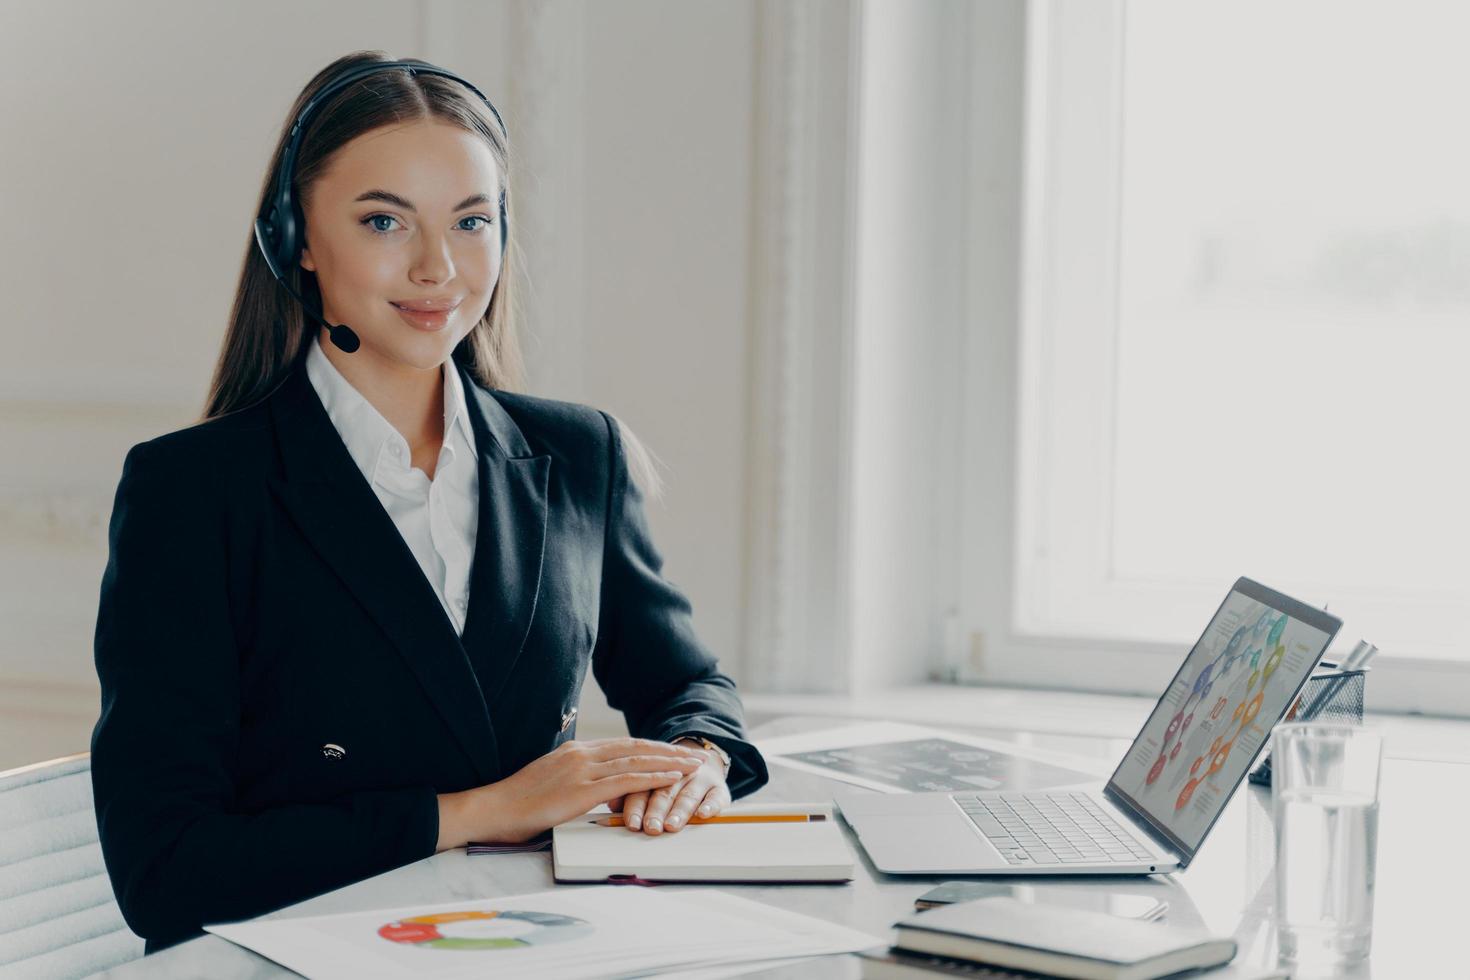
(279, 230)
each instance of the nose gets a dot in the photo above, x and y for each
(432, 263)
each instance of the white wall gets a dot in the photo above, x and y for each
(136, 138)
(664, 297)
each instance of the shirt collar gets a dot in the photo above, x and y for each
(364, 430)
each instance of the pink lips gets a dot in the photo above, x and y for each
(427, 314)
(426, 305)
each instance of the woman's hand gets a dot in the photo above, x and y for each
(668, 809)
(564, 783)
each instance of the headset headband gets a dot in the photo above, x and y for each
(412, 65)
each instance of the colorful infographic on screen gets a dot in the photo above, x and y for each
(1204, 732)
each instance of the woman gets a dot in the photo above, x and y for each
(346, 618)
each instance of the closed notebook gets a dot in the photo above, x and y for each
(895, 964)
(1062, 942)
(814, 850)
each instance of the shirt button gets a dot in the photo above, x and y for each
(397, 451)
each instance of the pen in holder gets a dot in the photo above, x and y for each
(1332, 693)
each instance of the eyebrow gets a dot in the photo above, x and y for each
(388, 197)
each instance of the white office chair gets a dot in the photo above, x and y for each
(58, 916)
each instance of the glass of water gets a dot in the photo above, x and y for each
(1324, 779)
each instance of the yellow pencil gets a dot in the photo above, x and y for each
(616, 819)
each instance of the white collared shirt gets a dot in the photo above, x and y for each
(438, 518)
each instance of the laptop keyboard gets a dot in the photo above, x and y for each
(1051, 828)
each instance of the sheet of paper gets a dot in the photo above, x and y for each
(897, 758)
(729, 970)
(819, 936)
(599, 931)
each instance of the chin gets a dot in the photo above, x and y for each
(426, 355)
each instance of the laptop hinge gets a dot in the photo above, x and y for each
(1141, 820)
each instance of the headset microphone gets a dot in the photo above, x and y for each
(342, 335)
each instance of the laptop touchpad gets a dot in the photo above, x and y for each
(938, 842)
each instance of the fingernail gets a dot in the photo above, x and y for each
(704, 811)
(635, 823)
(673, 821)
(654, 825)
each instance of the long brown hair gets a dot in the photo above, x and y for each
(268, 332)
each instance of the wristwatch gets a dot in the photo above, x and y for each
(705, 743)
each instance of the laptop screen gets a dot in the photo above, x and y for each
(1220, 708)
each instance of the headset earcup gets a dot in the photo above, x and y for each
(504, 226)
(276, 234)
(288, 251)
(268, 238)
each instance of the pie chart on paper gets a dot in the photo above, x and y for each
(485, 930)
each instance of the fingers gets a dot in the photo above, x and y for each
(659, 801)
(671, 808)
(715, 801)
(603, 749)
(633, 806)
(642, 763)
(627, 783)
(683, 806)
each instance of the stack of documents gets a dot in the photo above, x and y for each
(891, 757)
(601, 931)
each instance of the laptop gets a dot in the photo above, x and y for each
(1206, 730)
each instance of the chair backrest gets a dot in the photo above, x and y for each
(58, 916)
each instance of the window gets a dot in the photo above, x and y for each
(1245, 320)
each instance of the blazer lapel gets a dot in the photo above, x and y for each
(338, 512)
(510, 540)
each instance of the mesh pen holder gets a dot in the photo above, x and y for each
(1329, 694)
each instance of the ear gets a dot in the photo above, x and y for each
(306, 262)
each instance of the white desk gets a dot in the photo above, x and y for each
(1422, 872)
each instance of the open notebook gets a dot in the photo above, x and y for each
(814, 850)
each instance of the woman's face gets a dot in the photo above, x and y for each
(406, 214)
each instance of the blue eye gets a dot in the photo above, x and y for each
(370, 220)
(377, 217)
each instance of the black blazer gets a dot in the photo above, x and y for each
(259, 604)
